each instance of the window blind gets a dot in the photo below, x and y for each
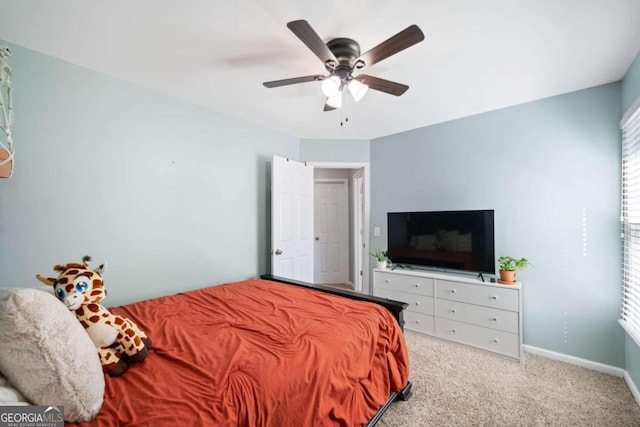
(630, 316)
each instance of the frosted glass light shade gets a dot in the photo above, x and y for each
(331, 86)
(357, 89)
(335, 101)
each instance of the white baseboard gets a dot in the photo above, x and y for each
(572, 360)
(595, 366)
(632, 386)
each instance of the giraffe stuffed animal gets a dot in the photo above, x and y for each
(118, 340)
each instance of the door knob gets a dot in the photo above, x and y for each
(278, 252)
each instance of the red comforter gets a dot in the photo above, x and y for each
(258, 353)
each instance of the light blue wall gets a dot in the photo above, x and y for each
(334, 150)
(551, 171)
(631, 85)
(631, 92)
(173, 196)
(632, 359)
(176, 197)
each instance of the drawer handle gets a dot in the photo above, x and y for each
(418, 303)
(386, 280)
(495, 340)
(453, 310)
(453, 331)
(417, 322)
(494, 297)
(495, 319)
(453, 291)
(417, 285)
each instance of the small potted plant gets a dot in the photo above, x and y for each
(381, 258)
(508, 267)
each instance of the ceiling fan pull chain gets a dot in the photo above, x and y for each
(343, 119)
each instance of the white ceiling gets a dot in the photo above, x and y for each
(477, 55)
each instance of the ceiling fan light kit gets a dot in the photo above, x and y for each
(357, 89)
(335, 101)
(341, 57)
(331, 86)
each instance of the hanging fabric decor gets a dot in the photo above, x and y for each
(6, 115)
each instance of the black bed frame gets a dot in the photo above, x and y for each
(395, 307)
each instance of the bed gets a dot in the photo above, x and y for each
(261, 353)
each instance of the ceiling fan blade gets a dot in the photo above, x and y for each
(328, 107)
(382, 85)
(309, 37)
(404, 39)
(295, 80)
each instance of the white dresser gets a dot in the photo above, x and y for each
(457, 308)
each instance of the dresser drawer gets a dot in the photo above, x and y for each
(490, 296)
(417, 303)
(493, 318)
(488, 339)
(404, 283)
(418, 322)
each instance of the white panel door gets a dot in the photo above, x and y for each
(331, 232)
(291, 219)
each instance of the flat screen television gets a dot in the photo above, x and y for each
(450, 240)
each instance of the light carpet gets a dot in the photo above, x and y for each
(455, 385)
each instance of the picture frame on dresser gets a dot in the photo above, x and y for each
(457, 308)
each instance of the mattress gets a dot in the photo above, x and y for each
(258, 353)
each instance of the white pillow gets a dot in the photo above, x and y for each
(47, 355)
(9, 396)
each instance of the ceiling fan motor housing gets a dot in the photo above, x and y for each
(346, 52)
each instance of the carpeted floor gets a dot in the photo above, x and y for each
(455, 385)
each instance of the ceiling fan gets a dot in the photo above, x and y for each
(341, 57)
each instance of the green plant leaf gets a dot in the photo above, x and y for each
(512, 264)
(379, 254)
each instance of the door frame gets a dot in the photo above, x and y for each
(365, 166)
(358, 224)
(345, 184)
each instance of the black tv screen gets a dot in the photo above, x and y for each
(451, 240)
